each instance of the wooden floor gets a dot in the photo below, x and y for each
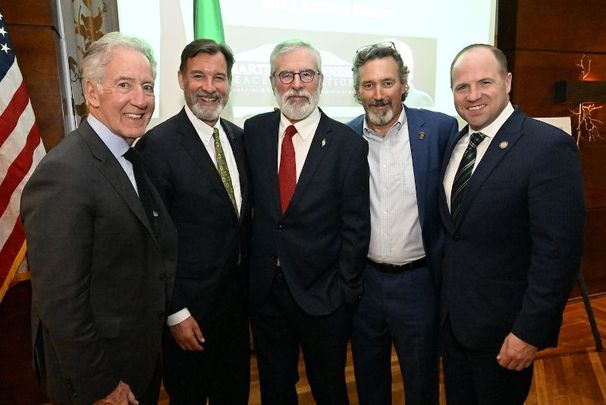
(571, 374)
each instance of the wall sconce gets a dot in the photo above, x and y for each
(587, 95)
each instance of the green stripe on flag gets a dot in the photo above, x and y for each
(207, 20)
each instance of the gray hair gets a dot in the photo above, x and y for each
(379, 51)
(99, 53)
(289, 46)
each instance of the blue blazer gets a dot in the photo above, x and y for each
(321, 241)
(510, 262)
(429, 134)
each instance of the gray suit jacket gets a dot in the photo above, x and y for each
(101, 272)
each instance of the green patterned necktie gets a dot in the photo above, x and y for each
(223, 169)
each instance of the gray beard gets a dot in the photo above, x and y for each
(297, 111)
(380, 119)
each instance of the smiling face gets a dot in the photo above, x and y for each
(205, 85)
(297, 99)
(380, 93)
(124, 100)
(480, 87)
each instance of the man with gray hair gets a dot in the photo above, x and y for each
(309, 178)
(401, 277)
(101, 245)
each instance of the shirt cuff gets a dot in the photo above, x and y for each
(178, 317)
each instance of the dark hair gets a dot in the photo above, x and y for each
(379, 51)
(498, 54)
(210, 47)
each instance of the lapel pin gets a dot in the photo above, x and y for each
(155, 214)
(421, 135)
(323, 143)
(503, 144)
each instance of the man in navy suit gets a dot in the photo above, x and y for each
(309, 177)
(400, 300)
(197, 162)
(514, 214)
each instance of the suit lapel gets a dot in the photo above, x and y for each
(419, 148)
(444, 212)
(109, 167)
(502, 143)
(320, 143)
(270, 137)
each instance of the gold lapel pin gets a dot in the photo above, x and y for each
(421, 135)
(503, 144)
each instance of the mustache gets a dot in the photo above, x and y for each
(297, 93)
(206, 94)
(379, 102)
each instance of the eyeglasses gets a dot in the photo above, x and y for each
(287, 77)
(386, 44)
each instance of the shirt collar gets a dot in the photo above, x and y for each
(306, 127)
(115, 143)
(491, 130)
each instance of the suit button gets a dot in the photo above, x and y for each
(456, 237)
(161, 314)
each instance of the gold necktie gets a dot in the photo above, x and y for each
(223, 169)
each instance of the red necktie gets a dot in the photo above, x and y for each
(287, 173)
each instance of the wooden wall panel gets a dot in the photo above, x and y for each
(561, 25)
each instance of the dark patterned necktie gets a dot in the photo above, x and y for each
(287, 174)
(223, 169)
(142, 188)
(463, 174)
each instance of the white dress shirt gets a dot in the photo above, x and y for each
(205, 132)
(117, 146)
(395, 232)
(457, 154)
(301, 141)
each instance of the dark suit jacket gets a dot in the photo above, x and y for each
(101, 275)
(322, 239)
(510, 262)
(212, 238)
(429, 133)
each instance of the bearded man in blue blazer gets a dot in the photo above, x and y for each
(512, 205)
(401, 277)
(309, 177)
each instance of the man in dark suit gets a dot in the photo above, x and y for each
(197, 162)
(309, 177)
(401, 278)
(101, 245)
(514, 214)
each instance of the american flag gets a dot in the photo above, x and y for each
(20, 152)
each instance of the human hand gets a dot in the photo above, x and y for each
(121, 395)
(188, 335)
(515, 354)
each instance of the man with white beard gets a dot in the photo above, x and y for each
(197, 162)
(309, 177)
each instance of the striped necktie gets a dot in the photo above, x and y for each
(223, 169)
(463, 174)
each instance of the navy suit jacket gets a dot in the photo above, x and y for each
(510, 262)
(102, 273)
(322, 239)
(213, 240)
(429, 133)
